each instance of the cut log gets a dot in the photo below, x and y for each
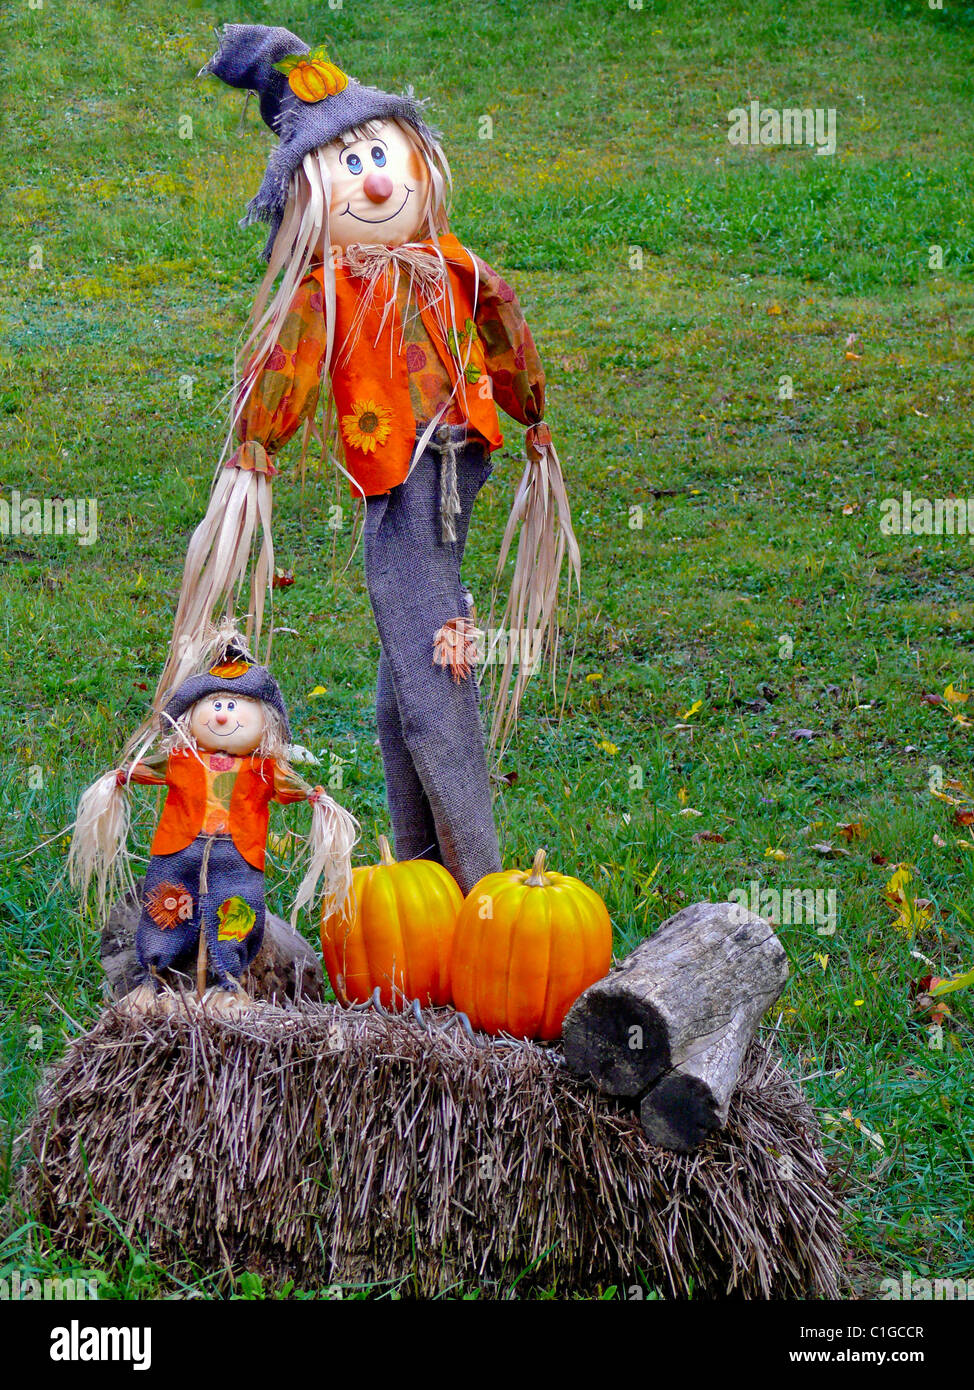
(285, 967)
(671, 1024)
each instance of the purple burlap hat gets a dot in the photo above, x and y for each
(246, 59)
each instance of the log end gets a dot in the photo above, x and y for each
(615, 1040)
(680, 1112)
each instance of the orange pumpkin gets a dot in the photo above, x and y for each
(312, 81)
(525, 947)
(397, 934)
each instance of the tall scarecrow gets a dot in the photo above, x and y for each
(417, 341)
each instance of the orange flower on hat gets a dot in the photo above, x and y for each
(368, 426)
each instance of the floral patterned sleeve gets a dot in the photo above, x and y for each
(150, 771)
(512, 361)
(288, 785)
(286, 391)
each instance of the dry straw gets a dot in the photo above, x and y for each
(355, 1148)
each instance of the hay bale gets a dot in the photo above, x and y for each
(349, 1147)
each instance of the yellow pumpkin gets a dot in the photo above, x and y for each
(395, 932)
(525, 947)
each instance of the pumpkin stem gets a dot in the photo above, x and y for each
(536, 878)
(385, 853)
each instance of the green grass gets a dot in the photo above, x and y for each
(759, 520)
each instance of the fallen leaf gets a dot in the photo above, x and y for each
(955, 697)
(689, 811)
(828, 850)
(964, 815)
(697, 705)
(894, 888)
(924, 1001)
(803, 733)
(851, 829)
(710, 837)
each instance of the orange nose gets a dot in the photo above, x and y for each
(378, 187)
(222, 718)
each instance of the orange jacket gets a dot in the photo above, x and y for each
(376, 375)
(370, 376)
(182, 816)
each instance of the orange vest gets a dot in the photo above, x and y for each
(182, 816)
(376, 376)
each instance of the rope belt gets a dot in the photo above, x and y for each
(449, 439)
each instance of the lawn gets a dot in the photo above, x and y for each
(749, 350)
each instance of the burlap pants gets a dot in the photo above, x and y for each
(181, 898)
(430, 732)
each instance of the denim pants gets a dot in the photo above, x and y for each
(175, 908)
(430, 733)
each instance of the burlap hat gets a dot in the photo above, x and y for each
(246, 59)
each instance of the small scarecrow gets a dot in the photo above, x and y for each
(419, 341)
(222, 760)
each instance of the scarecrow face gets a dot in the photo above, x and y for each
(379, 188)
(223, 723)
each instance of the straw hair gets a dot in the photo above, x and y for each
(530, 615)
(331, 1146)
(329, 854)
(99, 843)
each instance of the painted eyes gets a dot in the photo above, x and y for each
(354, 163)
(218, 704)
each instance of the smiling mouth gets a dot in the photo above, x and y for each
(376, 221)
(216, 733)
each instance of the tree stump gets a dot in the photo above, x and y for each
(669, 1026)
(285, 967)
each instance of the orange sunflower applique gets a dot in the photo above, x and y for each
(169, 903)
(368, 426)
